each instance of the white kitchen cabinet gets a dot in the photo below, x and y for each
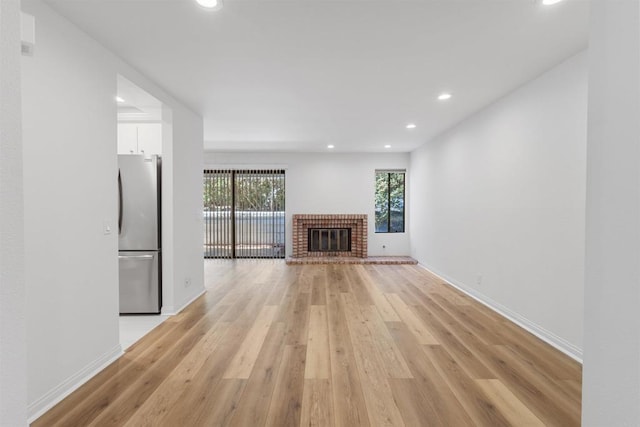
(127, 138)
(150, 138)
(140, 138)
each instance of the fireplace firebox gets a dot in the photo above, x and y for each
(329, 240)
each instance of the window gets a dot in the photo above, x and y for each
(390, 201)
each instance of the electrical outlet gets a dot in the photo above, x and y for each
(187, 282)
(479, 279)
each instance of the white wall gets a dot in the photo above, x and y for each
(611, 375)
(331, 183)
(187, 208)
(70, 169)
(13, 373)
(70, 163)
(501, 195)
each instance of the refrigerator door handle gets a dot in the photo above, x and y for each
(147, 257)
(119, 202)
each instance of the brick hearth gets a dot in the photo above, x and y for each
(303, 222)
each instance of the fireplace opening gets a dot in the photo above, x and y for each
(329, 240)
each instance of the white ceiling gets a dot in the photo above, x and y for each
(298, 75)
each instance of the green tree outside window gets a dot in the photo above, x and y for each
(389, 202)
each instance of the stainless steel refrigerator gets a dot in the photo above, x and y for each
(139, 245)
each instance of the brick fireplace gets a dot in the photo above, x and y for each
(302, 223)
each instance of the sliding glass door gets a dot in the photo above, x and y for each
(218, 227)
(244, 213)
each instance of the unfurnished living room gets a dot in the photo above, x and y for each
(328, 213)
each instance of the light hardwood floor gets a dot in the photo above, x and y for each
(330, 345)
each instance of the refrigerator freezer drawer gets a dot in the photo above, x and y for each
(139, 282)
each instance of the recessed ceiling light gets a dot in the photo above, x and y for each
(444, 96)
(411, 126)
(387, 146)
(550, 2)
(118, 99)
(330, 146)
(210, 4)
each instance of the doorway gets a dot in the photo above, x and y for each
(143, 128)
(244, 213)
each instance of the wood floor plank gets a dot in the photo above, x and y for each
(167, 394)
(416, 276)
(253, 407)
(318, 287)
(471, 342)
(131, 399)
(357, 285)
(392, 360)
(485, 330)
(481, 409)
(522, 381)
(508, 404)
(240, 303)
(527, 345)
(284, 283)
(453, 295)
(387, 312)
(245, 358)
(317, 404)
(297, 320)
(413, 322)
(380, 275)
(219, 414)
(198, 393)
(305, 279)
(288, 301)
(493, 329)
(335, 277)
(344, 345)
(542, 375)
(541, 398)
(241, 278)
(467, 359)
(381, 406)
(286, 401)
(573, 386)
(348, 399)
(227, 276)
(318, 358)
(443, 406)
(196, 397)
(415, 409)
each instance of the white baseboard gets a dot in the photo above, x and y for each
(171, 310)
(68, 386)
(547, 336)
